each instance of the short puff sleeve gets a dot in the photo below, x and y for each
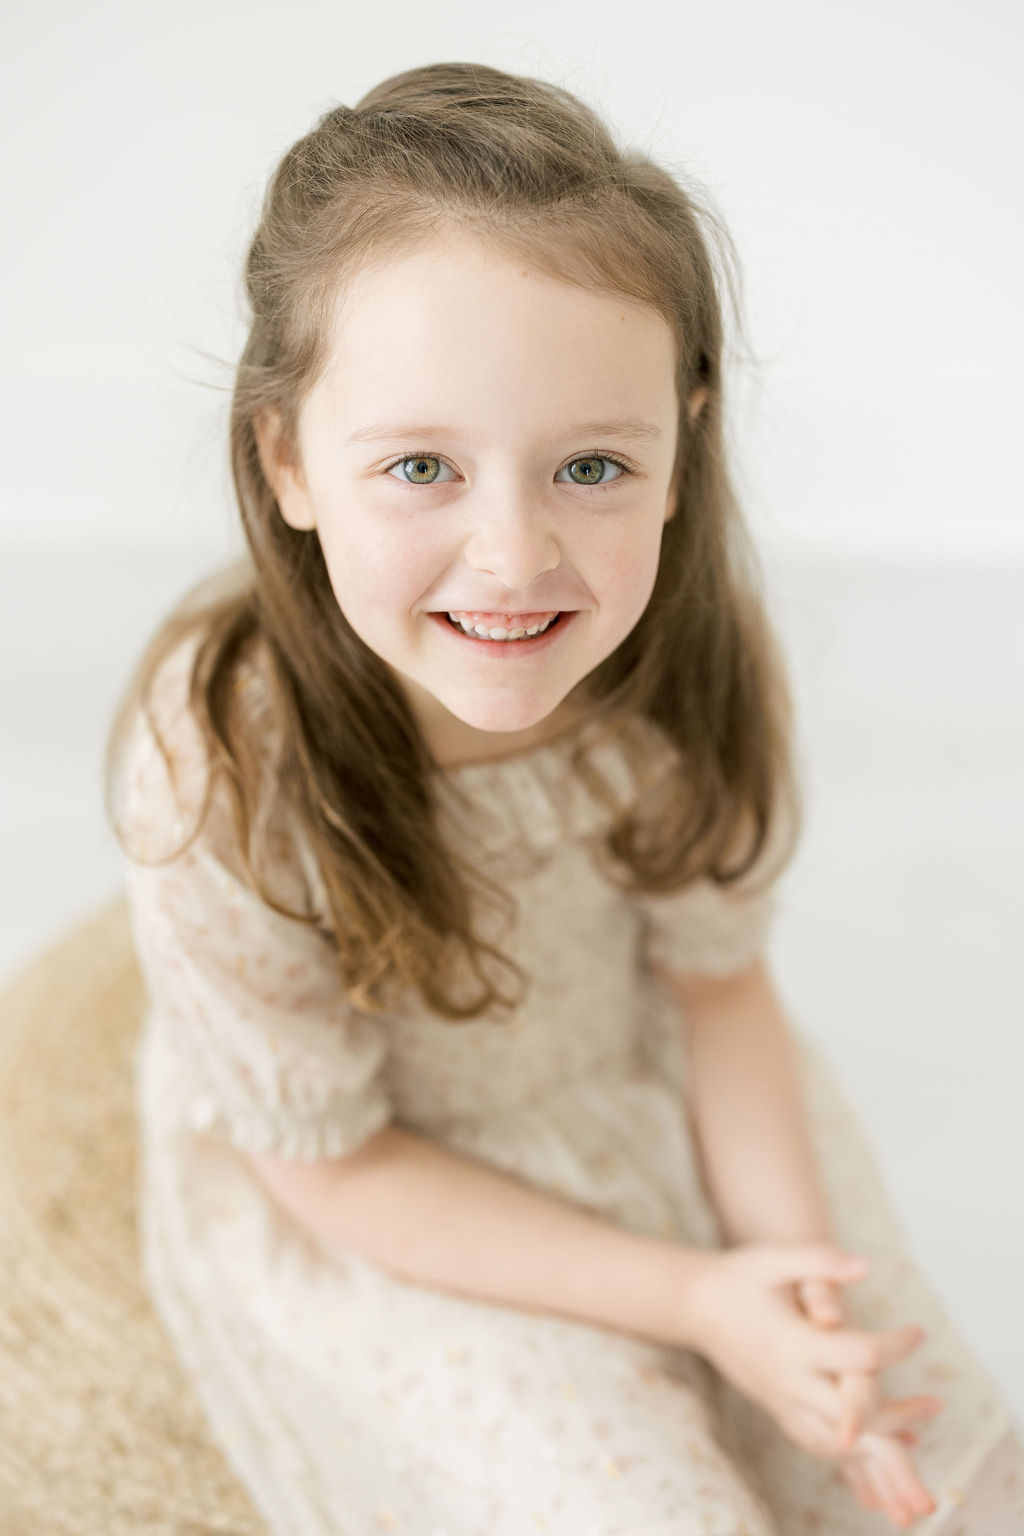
(716, 930)
(250, 1002)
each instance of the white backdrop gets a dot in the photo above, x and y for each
(866, 158)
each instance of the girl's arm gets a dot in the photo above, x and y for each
(440, 1219)
(749, 1120)
(760, 1171)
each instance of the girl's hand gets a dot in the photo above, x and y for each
(873, 1434)
(741, 1315)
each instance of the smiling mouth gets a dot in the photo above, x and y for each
(460, 629)
(525, 644)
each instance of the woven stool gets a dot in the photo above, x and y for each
(100, 1431)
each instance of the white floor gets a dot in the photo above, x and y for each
(899, 942)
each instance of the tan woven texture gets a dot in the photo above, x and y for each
(100, 1432)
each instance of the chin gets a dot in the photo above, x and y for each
(499, 723)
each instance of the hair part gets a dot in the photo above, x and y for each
(533, 172)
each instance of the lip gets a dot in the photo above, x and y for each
(505, 649)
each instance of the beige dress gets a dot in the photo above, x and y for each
(350, 1401)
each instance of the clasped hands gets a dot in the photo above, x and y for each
(874, 1434)
(821, 1387)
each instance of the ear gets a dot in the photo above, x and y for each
(282, 472)
(694, 406)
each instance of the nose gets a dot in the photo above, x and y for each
(513, 540)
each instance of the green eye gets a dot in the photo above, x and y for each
(588, 471)
(422, 468)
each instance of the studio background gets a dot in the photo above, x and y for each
(865, 158)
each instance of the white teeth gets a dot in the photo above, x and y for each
(484, 633)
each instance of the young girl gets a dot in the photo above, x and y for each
(484, 1189)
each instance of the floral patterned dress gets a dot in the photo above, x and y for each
(350, 1401)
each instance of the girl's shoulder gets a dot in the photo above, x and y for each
(171, 757)
(250, 683)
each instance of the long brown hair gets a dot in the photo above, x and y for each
(527, 166)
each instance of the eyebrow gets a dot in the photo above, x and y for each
(621, 426)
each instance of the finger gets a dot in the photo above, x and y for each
(880, 1473)
(859, 1394)
(819, 1301)
(860, 1482)
(894, 1467)
(791, 1263)
(876, 1481)
(847, 1349)
(893, 1415)
(893, 1460)
(874, 1455)
(819, 1309)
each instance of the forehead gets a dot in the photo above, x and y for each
(456, 318)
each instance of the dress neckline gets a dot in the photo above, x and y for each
(534, 799)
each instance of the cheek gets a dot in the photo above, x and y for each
(381, 563)
(623, 572)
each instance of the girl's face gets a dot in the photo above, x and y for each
(486, 439)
